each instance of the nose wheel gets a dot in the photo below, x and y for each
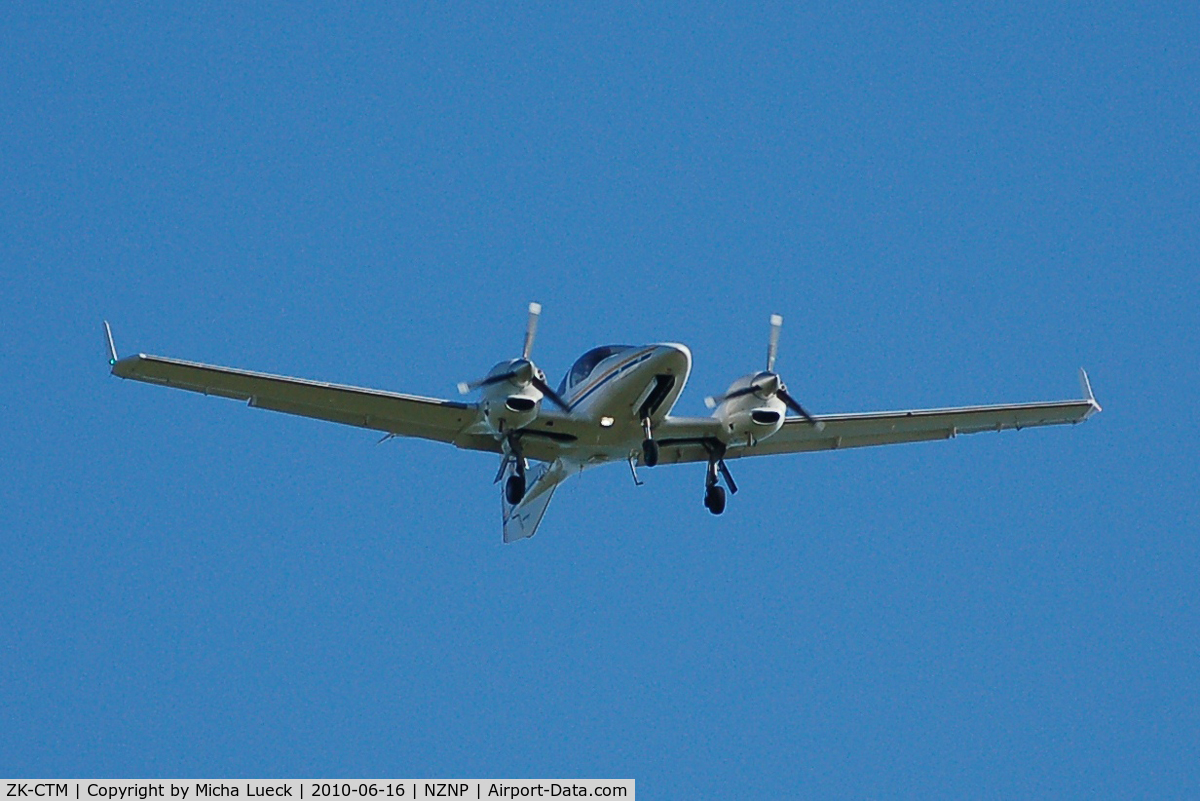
(649, 446)
(650, 453)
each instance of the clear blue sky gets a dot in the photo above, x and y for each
(948, 205)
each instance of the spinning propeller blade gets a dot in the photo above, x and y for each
(535, 310)
(464, 387)
(795, 406)
(773, 343)
(713, 401)
(550, 394)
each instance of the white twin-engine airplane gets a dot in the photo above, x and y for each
(613, 406)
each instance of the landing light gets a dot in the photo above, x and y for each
(606, 422)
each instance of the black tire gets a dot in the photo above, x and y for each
(650, 453)
(714, 499)
(514, 489)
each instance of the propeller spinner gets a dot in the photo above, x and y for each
(768, 384)
(520, 371)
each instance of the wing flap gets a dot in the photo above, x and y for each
(403, 415)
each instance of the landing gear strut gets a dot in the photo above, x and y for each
(649, 446)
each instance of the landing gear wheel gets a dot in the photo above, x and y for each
(650, 453)
(514, 489)
(714, 499)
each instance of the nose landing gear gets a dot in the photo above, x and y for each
(649, 446)
(650, 453)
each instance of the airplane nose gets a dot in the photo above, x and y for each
(677, 356)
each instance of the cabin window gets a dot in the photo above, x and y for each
(586, 363)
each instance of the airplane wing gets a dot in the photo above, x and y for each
(688, 442)
(522, 520)
(888, 428)
(402, 415)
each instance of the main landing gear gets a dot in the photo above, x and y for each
(714, 493)
(514, 487)
(714, 498)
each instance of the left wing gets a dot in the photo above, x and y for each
(402, 415)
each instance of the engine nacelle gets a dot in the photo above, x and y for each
(750, 417)
(512, 402)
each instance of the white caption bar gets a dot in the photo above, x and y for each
(314, 789)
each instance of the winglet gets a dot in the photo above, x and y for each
(112, 349)
(1085, 386)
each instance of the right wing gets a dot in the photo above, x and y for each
(887, 428)
(402, 415)
(694, 439)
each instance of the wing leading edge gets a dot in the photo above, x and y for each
(402, 415)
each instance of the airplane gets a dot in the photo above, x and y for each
(613, 405)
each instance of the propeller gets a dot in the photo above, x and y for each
(535, 311)
(768, 383)
(521, 371)
(773, 341)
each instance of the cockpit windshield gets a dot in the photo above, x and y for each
(586, 363)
